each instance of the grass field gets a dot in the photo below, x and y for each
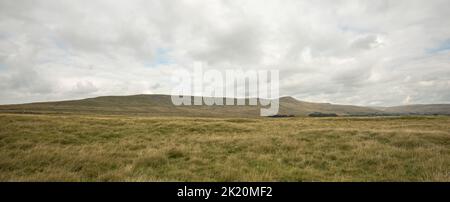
(133, 148)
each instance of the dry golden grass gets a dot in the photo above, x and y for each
(131, 148)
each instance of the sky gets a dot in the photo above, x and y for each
(376, 53)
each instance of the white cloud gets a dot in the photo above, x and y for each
(351, 52)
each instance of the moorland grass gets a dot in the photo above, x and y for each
(132, 148)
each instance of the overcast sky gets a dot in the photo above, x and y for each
(349, 52)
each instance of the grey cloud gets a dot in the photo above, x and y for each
(241, 44)
(84, 88)
(27, 81)
(350, 52)
(366, 42)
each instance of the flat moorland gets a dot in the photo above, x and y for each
(137, 148)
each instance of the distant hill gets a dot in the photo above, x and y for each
(161, 105)
(290, 105)
(424, 109)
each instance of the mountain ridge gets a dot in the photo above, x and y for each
(161, 105)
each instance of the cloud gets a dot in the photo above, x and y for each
(349, 52)
(240, 44)
(366, 42)
(84, 88)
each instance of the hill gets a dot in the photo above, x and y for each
(161, 105)
(419, 109)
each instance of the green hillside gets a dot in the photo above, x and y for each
(161, 105)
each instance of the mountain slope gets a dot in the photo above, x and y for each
(426, 109)
(161, 105)
(152, 105)
(289, 105)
